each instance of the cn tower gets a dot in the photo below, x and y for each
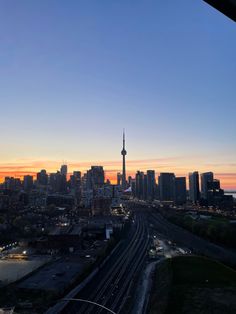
(123, 153)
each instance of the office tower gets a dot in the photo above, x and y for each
(133, 187)
(145, 187)
(180, 190)
(213, 185)
(42, 177)
(75, 180)
(205, 178)
(57, 182)
(11, 183)
(76, 185)
(151, 184)
(52, 181)
(119, 178)
(28, 183)
(215, 195)
(95, 177)
(123, 153)
(166, 182)
(88, 180)
(139, 185)
(64, 170)
(157, 192)
(77, 174)
(129, 181)
(194, 193)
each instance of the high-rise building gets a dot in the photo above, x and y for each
(129, 180)
(95, 177)
(28, 182)
(75, 180)
(145, 184)
(76, 185)
(57, 182)
(64, 170)
(215, 195)
(180, 190)
(151, 184)
(77, 174)
(119, 178)
(42, 177)
(11, 183)
(139, 185)
(123, 153)
(194, 193)
(205, 178)
(166, 182)
(133, 187)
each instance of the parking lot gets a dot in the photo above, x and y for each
(12, 270)
(54, 276)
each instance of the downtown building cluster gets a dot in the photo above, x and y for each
(206, 190)
(89, 190)
(203, 190)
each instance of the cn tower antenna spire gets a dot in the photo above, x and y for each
(123, 138)
(124, 153)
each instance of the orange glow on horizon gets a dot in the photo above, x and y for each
(227, 179)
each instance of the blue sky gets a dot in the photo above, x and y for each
(74, 73)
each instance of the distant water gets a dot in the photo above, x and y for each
(231, 193)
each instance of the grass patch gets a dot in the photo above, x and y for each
(199, 270)
(198, 285)
(162, 281)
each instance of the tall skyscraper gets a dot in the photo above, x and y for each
(194, 193)
(11, 183)
(133, 187)
(205, 178)
(75, 180)
(166, 182)
(145, 187)
(139, 185)
(124, 153)
(119, 178)
(64, 170)
(75, 185)
(180, 190)
(57, 182)
(151, 184)
(42, 177)
(28, 182)
(95, 177)
(129, 181)
(215, 195)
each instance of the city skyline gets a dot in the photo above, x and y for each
(111, 169)
(118, 156)
(67, 83)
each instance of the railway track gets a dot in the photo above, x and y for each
(112, 288)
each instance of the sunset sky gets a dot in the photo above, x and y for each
(74, 73)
